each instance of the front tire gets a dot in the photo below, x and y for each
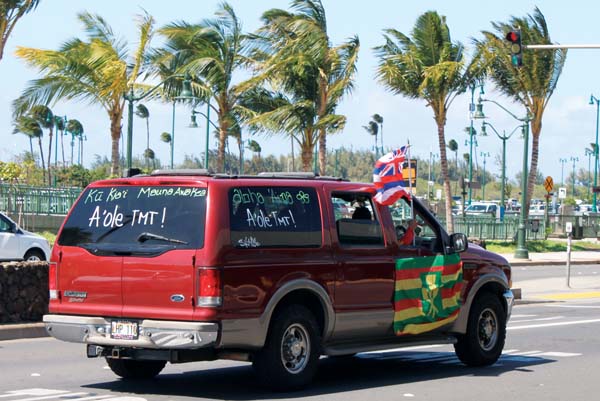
(289, 359)
(34, 255)
(486, 331)
(135, 369)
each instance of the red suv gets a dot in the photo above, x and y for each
(183, 266)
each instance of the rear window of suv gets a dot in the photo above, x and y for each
(137, 219)
(276, 217)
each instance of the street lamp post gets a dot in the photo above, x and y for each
(503, 138)
(593, 100)
(131, 98)
(574, 160)
(485, 155)
(473, 115)
(194, 124)
(521, 252)
(562, 170)
(589, 152)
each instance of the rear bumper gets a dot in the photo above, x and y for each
(153, 334)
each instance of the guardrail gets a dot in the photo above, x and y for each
(25, 199)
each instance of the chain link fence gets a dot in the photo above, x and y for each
(25, 199)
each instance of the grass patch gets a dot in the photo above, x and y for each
(49, 235)
(542, 246)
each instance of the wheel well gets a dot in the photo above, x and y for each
(307, 299)
(494, 288)
(35, 249)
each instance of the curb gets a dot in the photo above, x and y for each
(529, 262)
(22, 330)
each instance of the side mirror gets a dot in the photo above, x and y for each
(459, 242)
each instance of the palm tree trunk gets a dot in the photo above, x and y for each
(115, 134)
(42, 155)
(240, 144)
(62, 146)
(444, 162)
(322, 151)
(31, 147)
(307, 155)
(49, 155)
(535, 147)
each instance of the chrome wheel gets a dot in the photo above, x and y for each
(295, 348)
(487, 329)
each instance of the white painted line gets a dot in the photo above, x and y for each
(32, 391)
(521, 316)
(573, 306)
(417, 347)
(509, 351)
(534, 326)
(93, 397)
(536, 320)
(561, 354)
(529, 353)
(69, 395)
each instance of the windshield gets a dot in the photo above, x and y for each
(137, 218)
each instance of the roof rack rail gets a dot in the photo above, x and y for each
(299, 175)
(183, 171)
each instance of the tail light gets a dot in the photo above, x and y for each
(209, 287)
(53, 280)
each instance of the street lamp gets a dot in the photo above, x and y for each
(574, 160)
(503, 138)
(131, 98)
(485, 155)
(473, 114)
(521, 252)
(593, 100)
(589, 152)
(194, 124)
(562, 170)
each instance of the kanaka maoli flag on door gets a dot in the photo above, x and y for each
(427, 293)
(388, 179)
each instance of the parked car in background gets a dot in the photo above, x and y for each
(481, 209)
(537, 210)
(18, 244)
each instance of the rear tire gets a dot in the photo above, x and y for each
(135, 369)
(34, 255)
(289, 359)
(486, 331)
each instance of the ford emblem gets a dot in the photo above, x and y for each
(177, 298)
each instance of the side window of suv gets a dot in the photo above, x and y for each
(274, 217)
(356, 221)
(419, 230)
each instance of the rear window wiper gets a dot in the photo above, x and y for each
(143, 237)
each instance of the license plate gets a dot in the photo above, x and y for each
(124, 330)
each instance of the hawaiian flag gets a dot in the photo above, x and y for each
(388, 179)
(427, 294)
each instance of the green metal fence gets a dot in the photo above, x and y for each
(25, 199)
(493, 229)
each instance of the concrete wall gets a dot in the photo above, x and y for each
(23, 291)
(38, 222)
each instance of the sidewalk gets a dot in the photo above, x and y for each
(555, 289)
(526, 291)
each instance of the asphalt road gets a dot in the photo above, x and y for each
(552, 353)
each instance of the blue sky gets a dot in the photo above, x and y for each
(568, 125)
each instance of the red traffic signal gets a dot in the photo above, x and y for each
(516, 50)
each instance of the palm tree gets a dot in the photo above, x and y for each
(31, 127)
(379, 120)
(453, 146)
(166, 138)
(211, 52)
(75, 128)
(373, 129)
(44, 116)
(254, 147)
(534, 83)
(10, 12)
(428, 66)
(299, 41)
(98, 70)
(142, 112)
(61, 125)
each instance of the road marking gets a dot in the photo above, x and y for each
(574, 306)
(521, 316)
(536, 320)
(578, 295)
(36, 394)
(533, 326)
(561, 354)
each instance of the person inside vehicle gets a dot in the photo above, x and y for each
(362, 213)
(406, 234)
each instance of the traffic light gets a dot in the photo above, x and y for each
(516, 50)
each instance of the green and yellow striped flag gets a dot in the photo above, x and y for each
(427, 294)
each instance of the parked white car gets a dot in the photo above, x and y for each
(18, 244)
(481, 209)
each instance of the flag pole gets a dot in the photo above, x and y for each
(412, 205)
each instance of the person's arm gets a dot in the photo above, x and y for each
(408, 237)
